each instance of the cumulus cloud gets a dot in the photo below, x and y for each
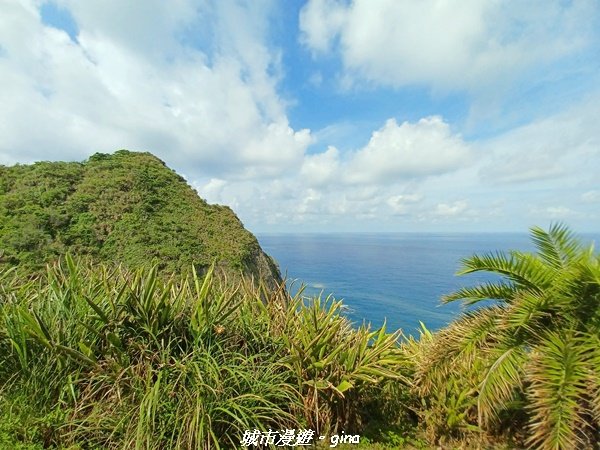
(375, 184)
(448, 45)
(130, 80)
(212, 191)
(394, 153)
(321, 21)
(427, 147)
(321, 168)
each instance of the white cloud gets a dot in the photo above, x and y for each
(131, 83)
(212, 191)
(369, 193)
(320, 22)
(427, 147)
(310, 204)
(148, 30)
(401, 204)
(559, 211)
(422, 176)
(321, 168)
(447, 45)
(134, 80)
(451, 209)
(395, 153)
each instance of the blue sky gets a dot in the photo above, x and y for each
(323, 115)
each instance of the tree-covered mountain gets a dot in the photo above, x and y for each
(126, 207)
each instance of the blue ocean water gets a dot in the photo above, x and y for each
(397, 277)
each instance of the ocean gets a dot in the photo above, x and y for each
(396, 277)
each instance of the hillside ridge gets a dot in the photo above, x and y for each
(126, 207)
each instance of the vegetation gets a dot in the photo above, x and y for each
(101, 356)
(529, 364)
(126, 207)
(110, 350)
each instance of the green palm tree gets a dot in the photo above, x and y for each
(536, 348)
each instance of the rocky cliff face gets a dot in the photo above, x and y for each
(126, 208)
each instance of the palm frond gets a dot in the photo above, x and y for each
(524, 270)
(557, 246)
(594, 390)
(502, 381)
(487, 291)
(558, 376)
(527, 312)
(519, 346)
(458, 345)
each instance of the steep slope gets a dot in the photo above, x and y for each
(126, 207)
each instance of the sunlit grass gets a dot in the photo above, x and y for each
(114, 359)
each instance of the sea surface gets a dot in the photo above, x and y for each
(396, 277)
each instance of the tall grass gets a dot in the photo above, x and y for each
(118, 359)
(101, 357)
(333, 363)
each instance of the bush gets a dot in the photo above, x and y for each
(120, 359)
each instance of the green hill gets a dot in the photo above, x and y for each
(126, 207)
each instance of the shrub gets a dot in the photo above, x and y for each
(119, 359)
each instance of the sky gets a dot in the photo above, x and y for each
(323, 115)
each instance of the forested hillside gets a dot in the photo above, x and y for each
(126, 207)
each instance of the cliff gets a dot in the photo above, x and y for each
(126, 208)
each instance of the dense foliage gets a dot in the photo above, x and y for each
(102, 357)
(126, 207)
(528, 364)
(131, 346)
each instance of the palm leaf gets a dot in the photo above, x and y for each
(525, 270)
(594, 376)
(527, 312)
(559, 375)
(487, 291)
(457, 346)
(502, 381)
(557, 246)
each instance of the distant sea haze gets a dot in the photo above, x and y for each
(397, 277)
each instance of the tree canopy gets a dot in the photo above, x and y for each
(126, 207)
